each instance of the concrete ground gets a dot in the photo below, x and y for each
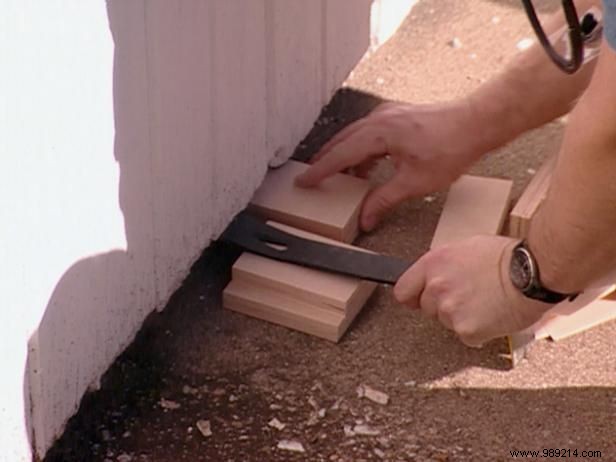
(196, 361)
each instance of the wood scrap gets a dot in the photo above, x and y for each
(474, 205)
(570, 318)
(330, 209)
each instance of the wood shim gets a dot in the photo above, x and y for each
(474, 205)
(531, 199)
(312, 301)
(567, 319)
(330, 209)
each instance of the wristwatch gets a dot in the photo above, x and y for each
(524, 274)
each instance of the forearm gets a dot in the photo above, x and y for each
(573, 234)
(530, 92)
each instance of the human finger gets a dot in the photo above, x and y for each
(381, 200)
(347, 153)
(341, 135)
(411, 284)
(428, 304)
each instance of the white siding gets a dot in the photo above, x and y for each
(130, 133)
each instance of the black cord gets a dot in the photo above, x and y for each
(576, 39)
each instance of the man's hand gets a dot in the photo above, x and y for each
(466, 286)
(430, 147)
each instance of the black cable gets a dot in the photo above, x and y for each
(576, 38)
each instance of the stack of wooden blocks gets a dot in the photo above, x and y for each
(312, 301)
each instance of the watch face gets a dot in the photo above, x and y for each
(521, 268)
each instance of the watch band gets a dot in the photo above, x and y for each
(548, 296)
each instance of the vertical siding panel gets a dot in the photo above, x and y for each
(179, 70)
(346, 39)
(294, 61)
(238, 112)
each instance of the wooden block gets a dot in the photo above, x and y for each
(305, 299)
(283, 309)
(278, 308)
(567, 319)
(474, 205)
(531, 199)
(330, 209)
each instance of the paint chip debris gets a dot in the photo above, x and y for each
(337, 404)
(455, 43)
(205, 428)
(524, 43)
(277, 424)
(365, 430)
(169, 404)
(188, 390)
(291, 445)
(364, 391)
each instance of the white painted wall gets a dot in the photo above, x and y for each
(130, 133)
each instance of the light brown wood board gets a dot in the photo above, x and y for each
(570, 318)
(283, 309)
(474, 205)
(531, 199)
(330, 209)
(278, 308)
(305, 299)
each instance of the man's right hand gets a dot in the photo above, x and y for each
(430, 146)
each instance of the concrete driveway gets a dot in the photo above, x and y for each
(196, 361)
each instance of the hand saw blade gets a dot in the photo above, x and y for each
(252, 234)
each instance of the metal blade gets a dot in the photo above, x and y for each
(255, 236)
